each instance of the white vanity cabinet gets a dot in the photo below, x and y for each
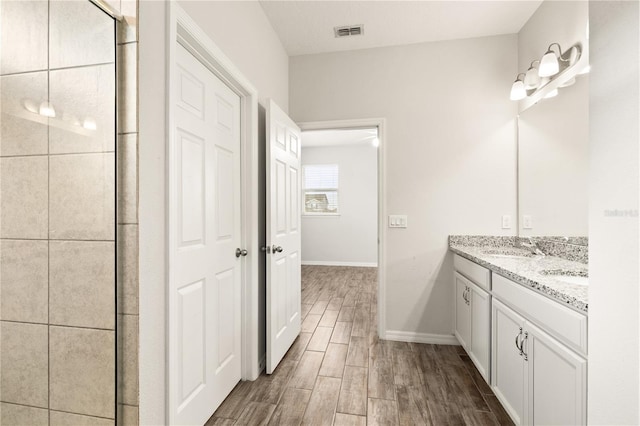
(473, 312)
(537, 377)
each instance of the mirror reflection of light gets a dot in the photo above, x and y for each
(551, 94)
(30, 106)
(46, 110)
(375, 142)
(89, 124)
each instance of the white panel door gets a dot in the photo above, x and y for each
(204, 232)
(463, 311)
(557, 385)
(480, 345)
(283, 234)
(508, 365)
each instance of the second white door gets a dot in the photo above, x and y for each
(283, 234)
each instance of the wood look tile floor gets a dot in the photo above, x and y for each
(339, 373)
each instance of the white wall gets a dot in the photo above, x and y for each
(351, 237)
(450, 153)
(553, 163)
(614, 305)
(243, 32)
(256, 51)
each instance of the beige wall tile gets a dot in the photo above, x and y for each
(82, 363)
(23, 130)
(128, 359)
(23, 29)
(23, 205)
(23, 375)
(128, 88)
(128, 269)
(67, 419)
(82, 197)
(81, 34)
(86, 97)
(82, 284)
(20, 415)
(128, 178)
(24, 280)
(127, 415)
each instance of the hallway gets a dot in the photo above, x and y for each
(339, 372)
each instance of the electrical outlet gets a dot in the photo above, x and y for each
(506, 221)
(527, 222)
(397, 221)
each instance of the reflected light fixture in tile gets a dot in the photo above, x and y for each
(46, 109)
(89, 124)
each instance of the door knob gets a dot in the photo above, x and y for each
(277, 249)
(241, 252)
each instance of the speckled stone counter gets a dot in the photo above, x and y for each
(526, 270)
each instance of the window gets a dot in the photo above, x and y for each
(320, 184)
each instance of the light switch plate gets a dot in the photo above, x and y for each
(527, 222)
(397, 221)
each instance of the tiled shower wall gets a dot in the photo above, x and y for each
(57, 311)
(127, 212)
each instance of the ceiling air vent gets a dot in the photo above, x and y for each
(349, 30)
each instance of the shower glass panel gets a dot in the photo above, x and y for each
(57, 213)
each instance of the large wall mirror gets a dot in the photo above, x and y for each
(553, 161)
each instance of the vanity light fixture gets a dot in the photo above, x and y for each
(551, 66)
(518, 90)
(531, 78)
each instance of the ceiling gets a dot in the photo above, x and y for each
(339, 137)
(306, 26)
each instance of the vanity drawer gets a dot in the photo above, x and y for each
(566, 324)
(476, 273)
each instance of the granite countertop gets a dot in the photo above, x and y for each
(528, 271)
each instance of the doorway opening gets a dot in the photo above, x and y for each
(342, 232)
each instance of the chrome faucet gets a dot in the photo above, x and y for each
(532, 246)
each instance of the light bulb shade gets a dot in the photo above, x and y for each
(518, 91)
(532, 79)
(551, 94)
(548, 65)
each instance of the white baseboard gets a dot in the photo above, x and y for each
(434, 339)
(335, 263)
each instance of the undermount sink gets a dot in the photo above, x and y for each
(509, 253)
(569, 276)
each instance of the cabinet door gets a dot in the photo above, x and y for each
(557, 393)
(508, 366)
(463, 311)
(480, 329)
